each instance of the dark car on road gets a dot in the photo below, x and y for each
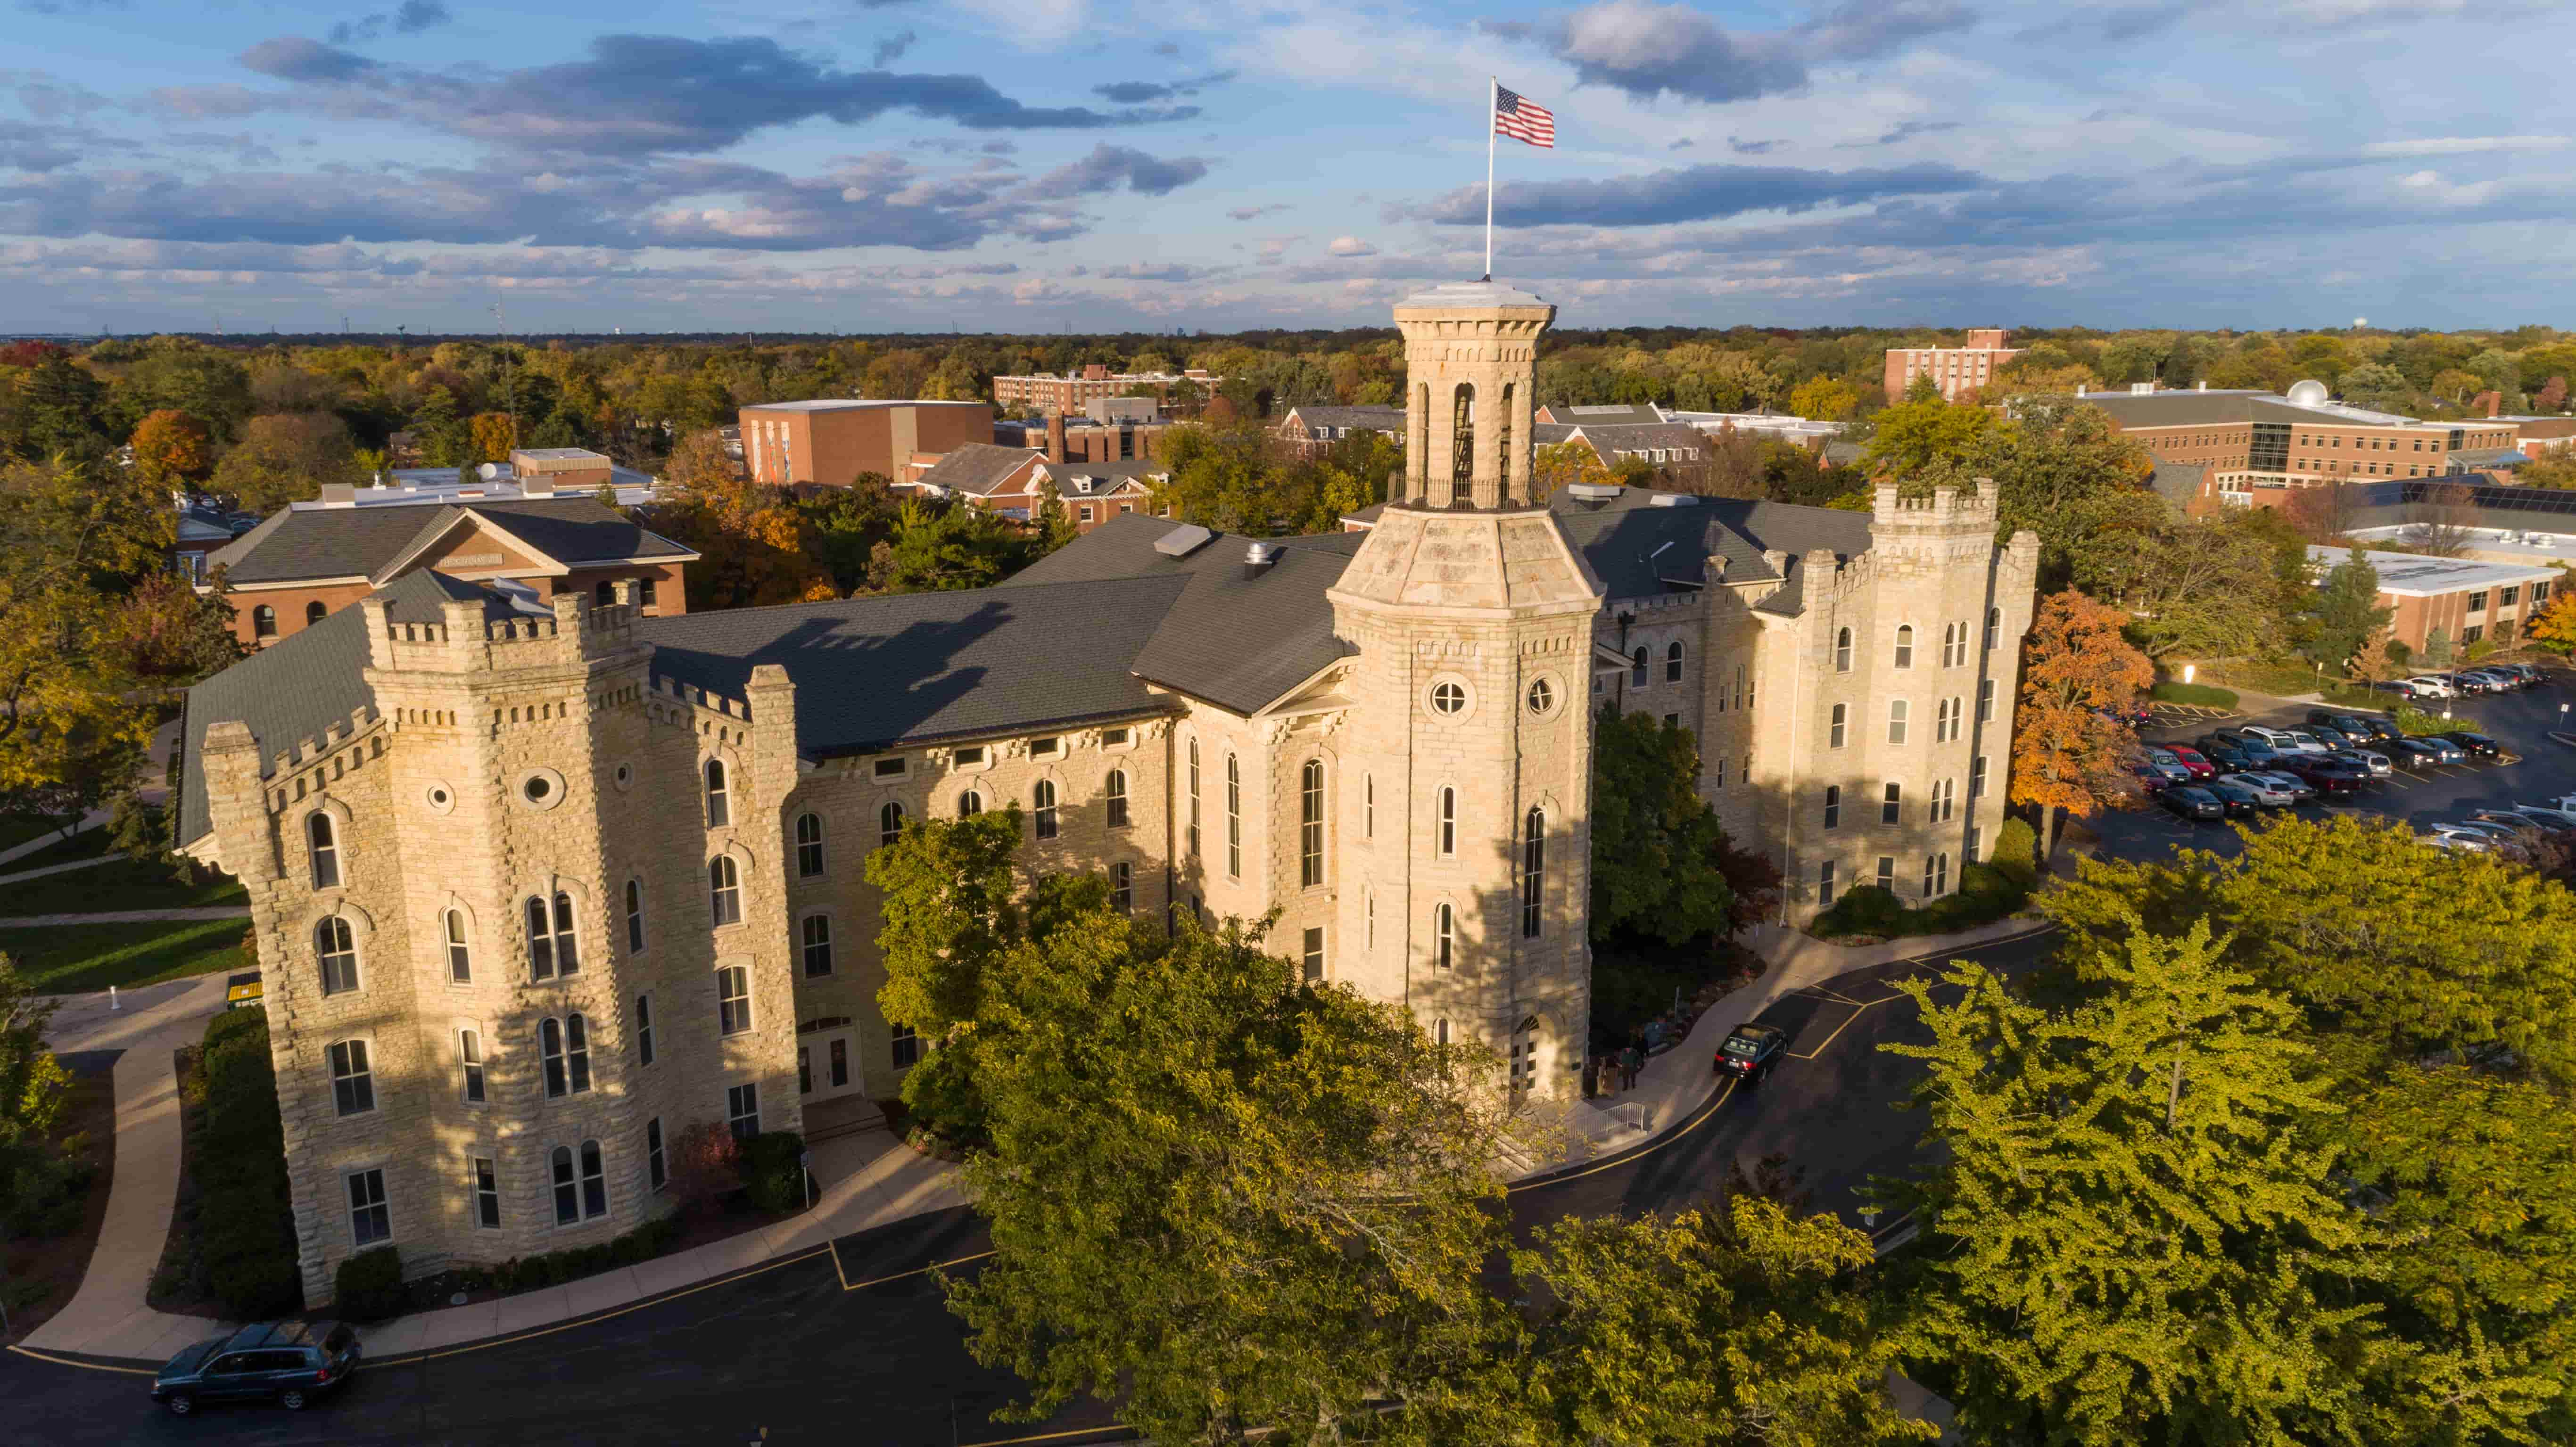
(2239, 800)
(2329, 776)
(2151, 780)
(2229, 758)
(286, 1362)
(1751, 1051)
(2190, 801)
(2421, 753)
(2351, 725)
(2476, 746)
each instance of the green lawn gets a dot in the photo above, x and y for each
(88, 844)
(17, 829)
(124, 884)
(88, 957)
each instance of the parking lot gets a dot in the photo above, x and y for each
(2522, 722)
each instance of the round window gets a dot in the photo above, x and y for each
(624, 774)
(541, 789)
(537, 788)
(1542, 696)
(439, 797)
(1448, 698)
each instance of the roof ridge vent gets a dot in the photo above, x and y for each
(1672, 499)
(1181, 541)
(1595, 491)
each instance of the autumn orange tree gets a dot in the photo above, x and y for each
(171, 449)
(2068, 758)
(752, 540)
(2555, 628)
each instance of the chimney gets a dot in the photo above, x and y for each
(1055, 437)
(1257, 558)
(339, 494)
(2495, 403)
(2201, 386)
(536, 484)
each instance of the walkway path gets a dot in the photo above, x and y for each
(27, 874)
(95, 818)
(126, 916)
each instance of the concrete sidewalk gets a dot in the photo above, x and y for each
(126, 916)
(1679, 1081)
(27, 874)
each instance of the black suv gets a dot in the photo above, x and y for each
(2476, 746)
(1751, 1052)
(287, 1362)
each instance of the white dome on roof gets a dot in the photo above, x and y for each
(2309, 394)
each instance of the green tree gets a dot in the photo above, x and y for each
(941, 548)
(2345, 614)
(2193, 587)
(2378, 386)
(1225, 1200)
(1658, 852)
(287, 457)
(1053, 525)
(1923, 440)
(1230, 478)
(2062, 469)
(2130, 1238)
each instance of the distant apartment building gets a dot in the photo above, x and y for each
(1116, 429)
(1312, 431)
(1958, 371)
(1047, 392)
(2254, 449)
(829, 441)
(1011, 482)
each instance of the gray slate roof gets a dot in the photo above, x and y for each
(2179, 482)
(1604, 415)
(1620, 538)
(1642, 436)
(327, 542)
(977, 467)
(1370, 418)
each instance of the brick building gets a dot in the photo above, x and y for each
(538, 890)
(311, 560)
(1047, 392)
(2256, 448)
(829, 441)
(1958, 371)
(2468, 600)
(1312, 431)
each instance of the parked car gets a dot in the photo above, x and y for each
(2380, 728)
(2192, 759)
(2265, 789)
(2531, 677)
(2329, 776)
(1750, 1052)
(2468, 841)
(2475, 745)
(2523, 825)
(2495, 680)
(2411, 753)
(2192, 802)
(2166, 761)
(2230, 759)
(2500, 837)
(2557, 821)
(287, 1362)
(2151, 780)
(2378, 763)
(2431, 686)
(2299, 790)
(2239, 740)
(2347, 723)
(2237, 798)
(2302, 741)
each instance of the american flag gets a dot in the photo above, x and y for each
(1521, 118)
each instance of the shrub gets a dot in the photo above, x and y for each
(369, 1286)
(702, 1165)
(2196, 693)
(2412, 720)
(939, 1095)
(773, 1171)
(245, 1214)
(1863, 910)
(46, 1195)
(2016, 852)
(1986, 893)
(553, 1268)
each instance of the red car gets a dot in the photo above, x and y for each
(2192, 759)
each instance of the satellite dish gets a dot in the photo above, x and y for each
(2359, 322)
(2308, 394)
(491, 470)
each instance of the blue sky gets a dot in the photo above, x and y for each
(1030, 165)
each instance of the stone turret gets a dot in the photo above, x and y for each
(1470, 357)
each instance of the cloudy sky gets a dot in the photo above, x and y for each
(1028, 165)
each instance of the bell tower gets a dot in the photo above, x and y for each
(1468, 779)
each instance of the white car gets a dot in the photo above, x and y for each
(2467, 841)
(2430, 686)
(2303, 742)
(2279, 739)
(2267, 791)
(2377, 763)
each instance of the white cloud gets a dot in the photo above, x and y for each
(1351, 246)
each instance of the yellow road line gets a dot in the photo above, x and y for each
(849, 1285)
(1641, 1152)
(1857, 1012)
(1050, 1436)
(45, 1356)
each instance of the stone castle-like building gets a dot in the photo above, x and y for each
(535, 892)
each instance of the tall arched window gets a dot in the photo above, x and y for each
(1194, 799)
(577, 1052)
(1113, 798)
(1444, 936)
(809, 845)
(1837, 725)
(719, 809)
(1462, 433)
(550, 1056)
(1637, 667)
(1448, 821)
(970, 804)
(314, 612)
(634, 916)
(1233, 818)
(1368, 806)
(1994, 627)
(567, 955)
(889, 823)
(724, 890)
(594, 1182)
(1905, 645)
(1310, 823)
(1896, 720)
(1533, 870)
(1673, 662)
(1422, 428)
(567, 1187)
(1833, 806)
(263, 622)
(541, 941)
(1842, 651)
(1042, 796)
(337, 951)
(1503, 431)
(460, 959)
(322, 846)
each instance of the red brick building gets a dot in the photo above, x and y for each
(1047, 392)
(1958, 371)
(2257, 448)
(2468, 600)
(1312, 431)
(1012, 481)
(829, 441)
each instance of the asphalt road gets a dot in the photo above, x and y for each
(2522, 721)
(853, 1345)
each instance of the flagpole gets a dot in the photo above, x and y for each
(1493, 98)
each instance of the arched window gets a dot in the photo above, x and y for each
(1421, 420)
(322, 845)
(314, 612)
(1905, 645)
(1368, 806)
(353, 1080)
(469, 1057)
(634, 916)
(1673, 662)
(1444, 936)
(577, 1052)
(1637, 667)
(818, 945)
(263, 622)
(889, 823)
(970, 804)
(541, 941)
(1954, 644)
(1042, 795)
(724, 890)
(460, 959)
(594, 1182)
(719, 810)
(1233, 818)
(1462, 436)
(550, 1055)
(1936, 875)
(1994, 627)
(1838, 725)
(1833, 806)
(1194, 799)
(1986, 700)
(1447, 822)
(1310, 823)
(1842, 651)
(1439, 1032)
(1113, 798)
(1743, 695)
(567, 1187)
(1896, 708)
(1503, 432)
(566, 956)
(337, 950)
(1533, 870)
(809, 845)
